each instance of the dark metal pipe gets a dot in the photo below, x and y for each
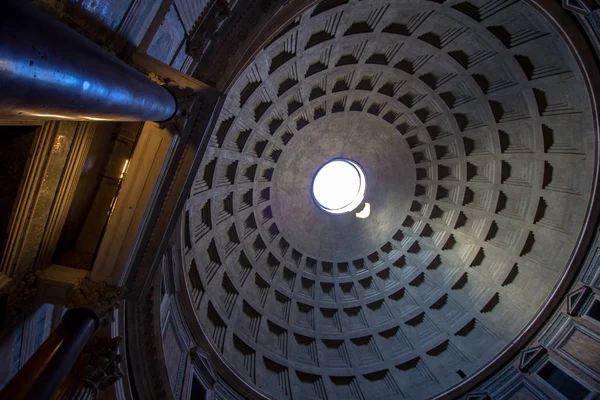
(49, 71)
(43, 373)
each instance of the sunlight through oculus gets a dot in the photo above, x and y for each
(339, 186)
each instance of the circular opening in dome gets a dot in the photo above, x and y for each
(339, 186)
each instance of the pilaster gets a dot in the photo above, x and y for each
(27, 197)
(47, 188)
(83, 136)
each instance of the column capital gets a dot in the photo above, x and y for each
(96, 368)
(20, 300)
(98, 363)
(100, 297)
(189, 93)
(185, 98)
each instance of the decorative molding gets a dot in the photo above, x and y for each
(84, 135)
(507, 382)
(56, 282)
(219, 37)
(520, 384)
(28, 194)
(560, 341)
(204, 367)
(135, 24)
(583, 7)
(592, 273)
(593, 269)
(206, 28)
(225, 392)
(144, 343)
(100, 297)
(186, 90)
(98, 363)
(20, 299)
(186, 99)
(193, 127)
(183, 345)
(223, 380)
(478, 396)
(173, 187)
(587, 13)
(594, 19)
(155, 21)
(576, 299)
(553, 328)
(529, 357)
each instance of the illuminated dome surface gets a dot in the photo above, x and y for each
(339, 186)
(474, 128)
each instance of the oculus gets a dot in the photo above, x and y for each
(339, 186)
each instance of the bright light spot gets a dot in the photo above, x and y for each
(95, 119)
(365, 212)
(50, 116)
(339, 186)
(58, 116)
(124, 170)
(59, 143)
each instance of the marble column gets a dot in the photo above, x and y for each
(66, 354)
(49, 71)
(96, 368)
(45, 370)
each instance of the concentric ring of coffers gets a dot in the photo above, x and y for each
(495, 115)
